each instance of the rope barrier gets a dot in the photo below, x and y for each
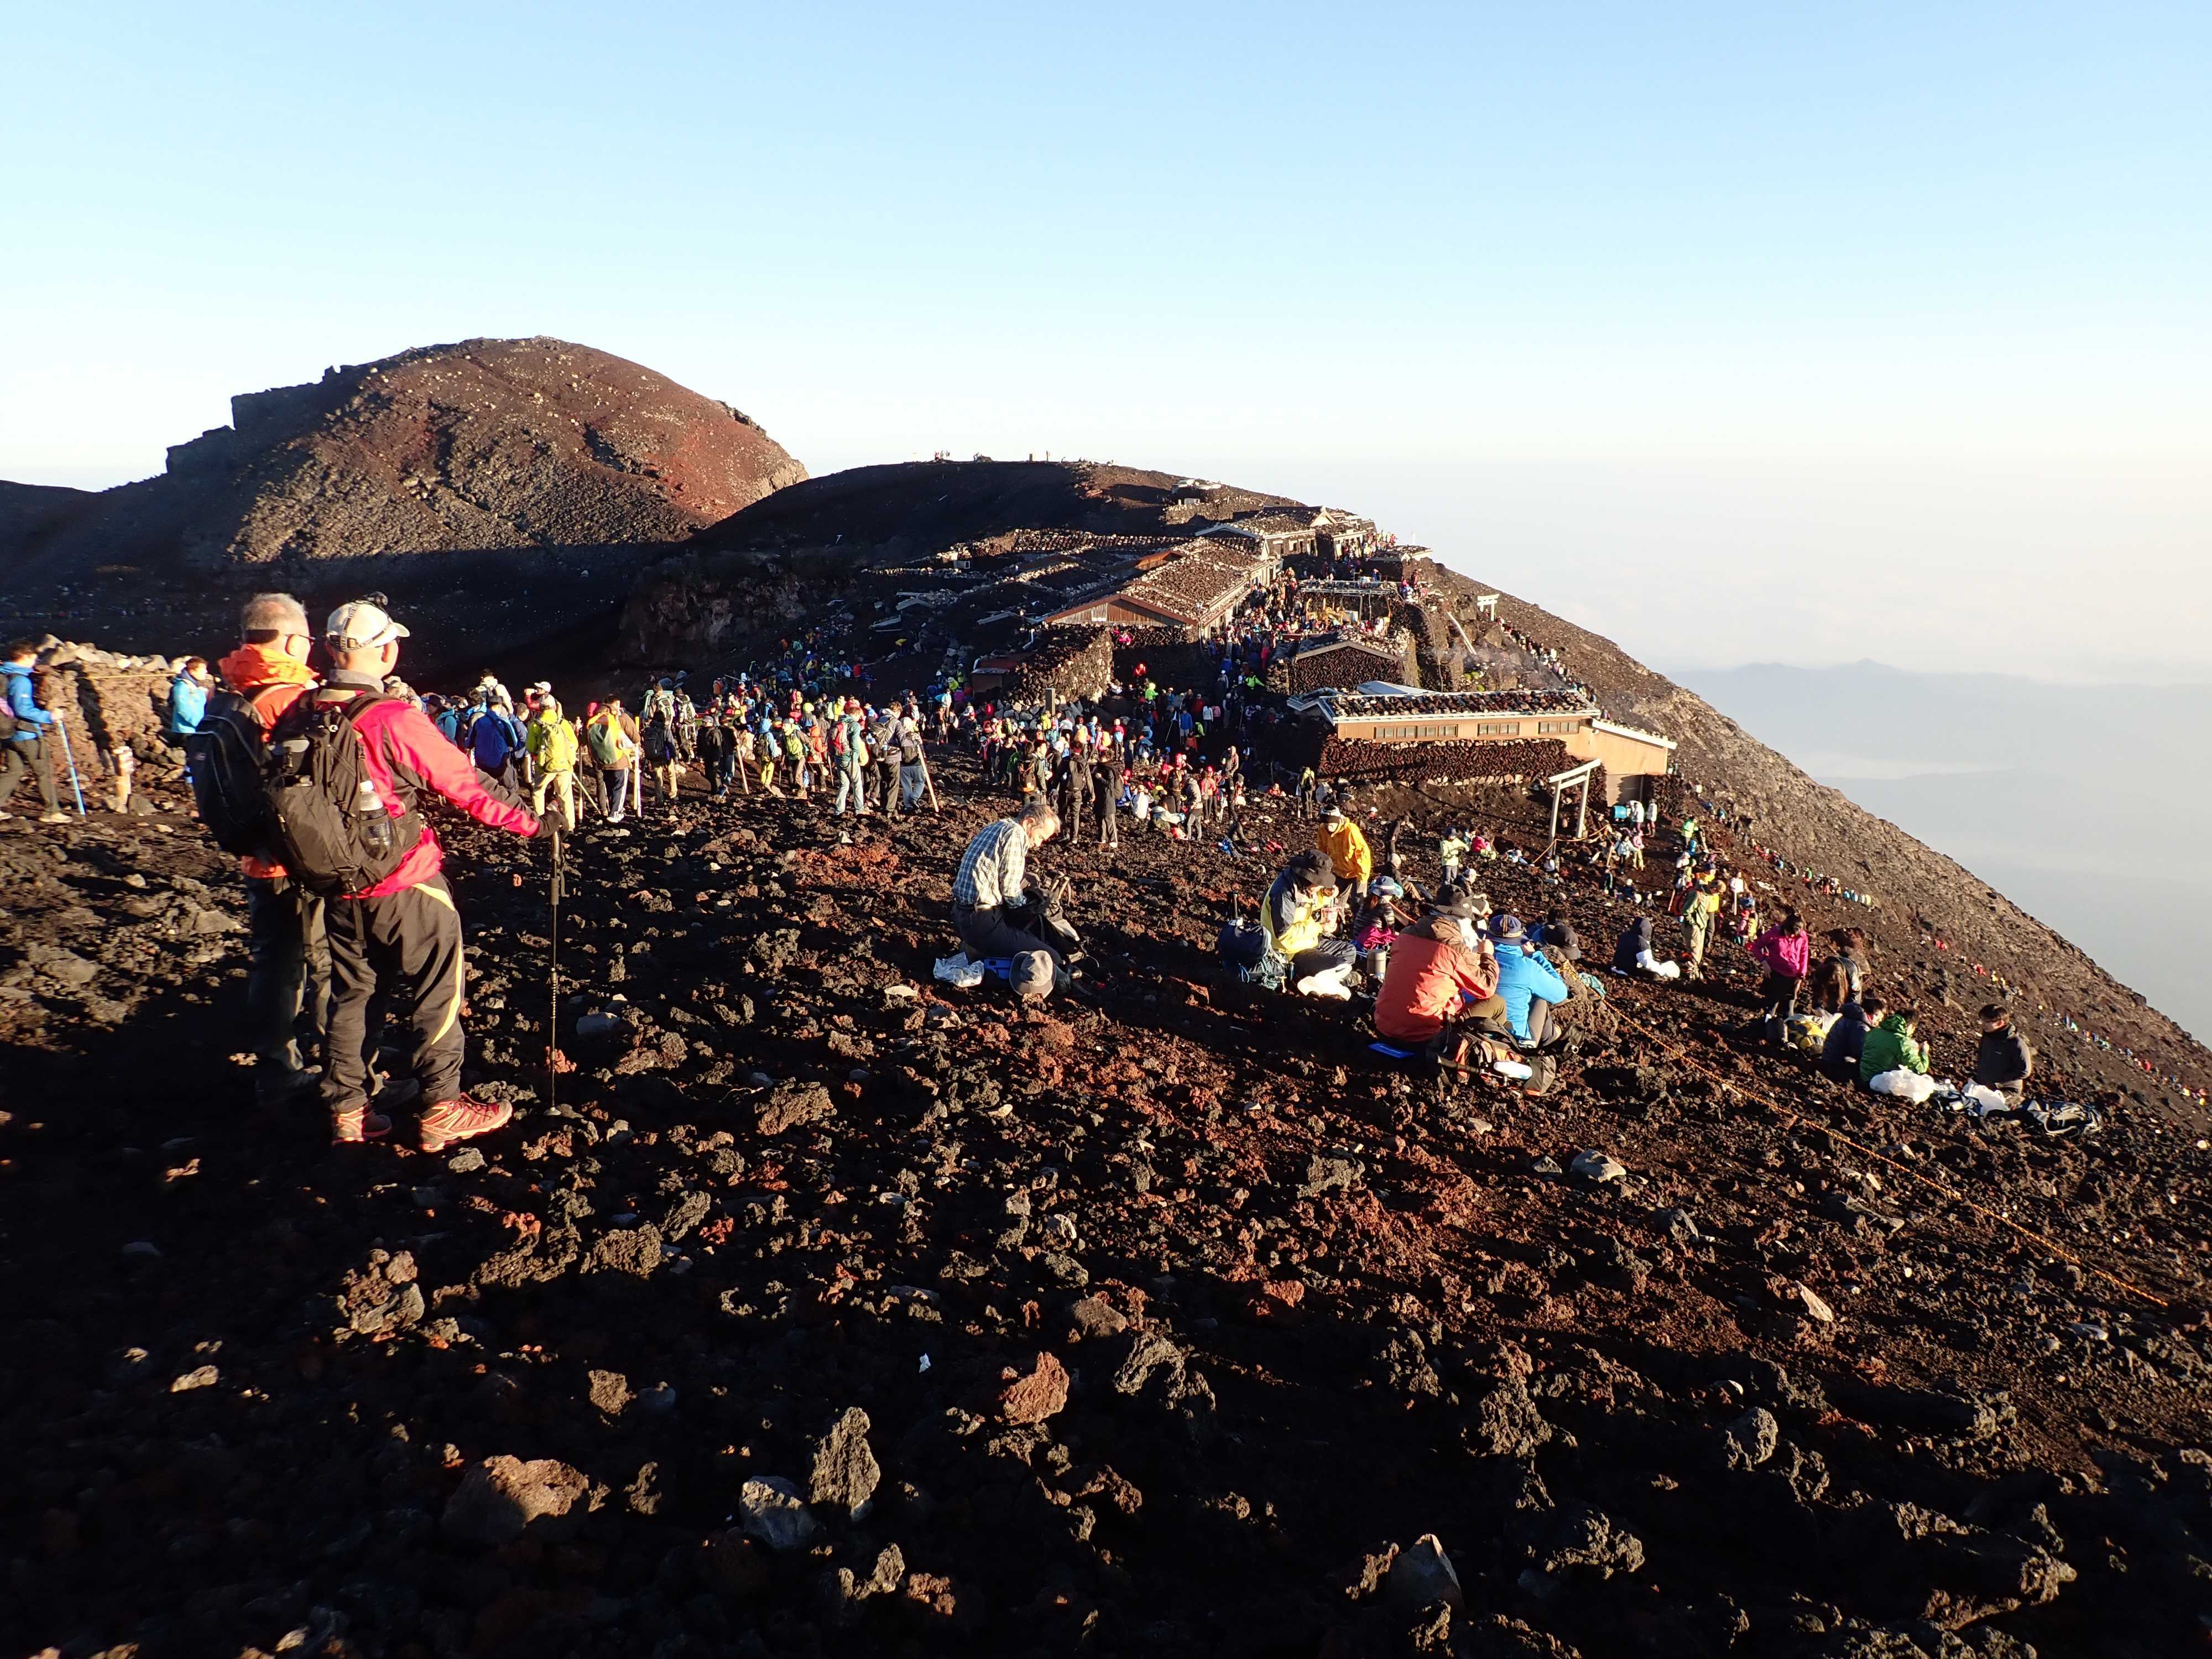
(1955, 1196)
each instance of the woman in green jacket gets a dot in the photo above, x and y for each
(1890, 1047)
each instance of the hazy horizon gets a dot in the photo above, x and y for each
(1734, 333)
(2027, 784)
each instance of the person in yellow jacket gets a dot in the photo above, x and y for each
(1298, 917)
(611, 736)
(1347, 849)
(550, 738)
(1699, 911)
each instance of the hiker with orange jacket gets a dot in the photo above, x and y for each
(288, 958)
(1441, 971)
(401, 933)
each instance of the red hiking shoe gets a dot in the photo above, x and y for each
(351, 1128)
(461, 1119)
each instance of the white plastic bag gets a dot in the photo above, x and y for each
(958, 970)
(1986, 1101)
(1905, 1085)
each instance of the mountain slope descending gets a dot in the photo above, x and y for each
(1152, 1323)
(486, 444)
(2027, 783)
(1924, 897)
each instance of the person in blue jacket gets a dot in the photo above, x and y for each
(448, 720)
(188, 696)
(27, 751)
(494, 741)
(1530, 986)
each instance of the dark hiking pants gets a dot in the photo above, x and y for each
(28, 757)
(288, 969)
(406, 945)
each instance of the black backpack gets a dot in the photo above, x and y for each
(226, 758)
(1241, 944)
(331, 828)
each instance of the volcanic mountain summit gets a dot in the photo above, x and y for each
(487, 444)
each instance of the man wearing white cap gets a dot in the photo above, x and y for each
(401, 933)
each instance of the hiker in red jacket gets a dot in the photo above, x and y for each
(403, 934)
(1787, 951)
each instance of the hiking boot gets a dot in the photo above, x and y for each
(279, 1085)
(350, 1128)
(53, 817)
(461, 1119)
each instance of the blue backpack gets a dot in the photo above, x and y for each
(492, 739)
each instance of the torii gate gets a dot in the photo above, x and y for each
(1563, 781)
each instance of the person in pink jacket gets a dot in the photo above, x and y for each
(1787, 951)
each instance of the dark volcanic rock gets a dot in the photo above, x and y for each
(502, 1498)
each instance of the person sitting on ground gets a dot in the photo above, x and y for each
(1632, 953)
(1346, 843)
(992, 904)
(1787, 951)
(1839, 978)
(1529, 984)
(1442, 969)
(1298, 917)
(1846, 1039)
(1557, 932)
(1890, 1047)
(2003, 1062)
(1377, 920)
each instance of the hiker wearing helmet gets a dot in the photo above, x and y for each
(400, 934)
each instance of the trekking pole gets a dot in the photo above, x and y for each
(76, 789)
(930, 784)
(553, 976)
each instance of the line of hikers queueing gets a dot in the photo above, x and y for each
(742, 732)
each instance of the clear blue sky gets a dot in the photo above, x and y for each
(1740, 331)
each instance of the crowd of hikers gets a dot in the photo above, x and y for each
(314, 778)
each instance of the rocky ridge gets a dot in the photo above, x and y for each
(484, 445)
